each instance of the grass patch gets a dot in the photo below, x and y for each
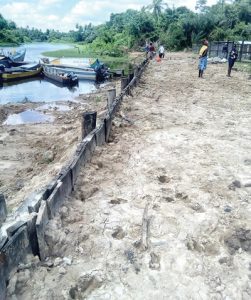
(8, 44)
(244, 66)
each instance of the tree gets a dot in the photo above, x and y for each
(157, 6)
(201, 5)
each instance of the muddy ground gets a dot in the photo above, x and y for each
(31, 155)
(163, 210)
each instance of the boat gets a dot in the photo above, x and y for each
(60, 75)
(18, 56)
(5, 61)
(17, 73)
(96, 71)
(82, 73)
(10, 59)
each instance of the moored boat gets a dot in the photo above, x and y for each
(11, 59)
(18, 56)
(60, 75)
(17, 73)
(96, 71)
(82, 73)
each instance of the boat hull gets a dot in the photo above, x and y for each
(57, 75)
(20, 74)
(87, 73)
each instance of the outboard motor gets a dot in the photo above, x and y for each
(45, 60)
(102, 72)
(73, 77)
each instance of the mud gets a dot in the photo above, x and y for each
(33, 153)
(147, 219)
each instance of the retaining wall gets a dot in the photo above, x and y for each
(23, 233)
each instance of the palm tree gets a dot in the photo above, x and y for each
(157, 6)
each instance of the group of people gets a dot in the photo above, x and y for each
(233, 55)
(151, 51)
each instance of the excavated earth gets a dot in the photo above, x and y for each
(163, 210)
(32, 154)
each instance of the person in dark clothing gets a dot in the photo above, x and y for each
(225, 50)
(233, 55)
(151, 51)
(147, 49)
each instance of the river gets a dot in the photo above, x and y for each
(41, 89)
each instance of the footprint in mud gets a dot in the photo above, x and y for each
(181, 196)
(118, 233)
(118, 201)
(202, 244)
(241, 238)
(85, 285)
(196, 207)
(154, 262)
(130, 255)
(163, 179)
(167, 195)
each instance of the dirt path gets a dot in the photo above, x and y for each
(163, 210)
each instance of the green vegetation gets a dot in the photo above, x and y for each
(176, 28)
(244, 66)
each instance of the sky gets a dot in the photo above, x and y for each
(63, 15)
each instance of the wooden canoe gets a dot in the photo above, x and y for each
(20, 74)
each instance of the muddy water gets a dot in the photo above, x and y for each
(41, 90)
(27, 117)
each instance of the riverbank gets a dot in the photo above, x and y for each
(32, 154)
(163, 210)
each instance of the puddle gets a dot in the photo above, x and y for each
(28, 117)
(54, 106)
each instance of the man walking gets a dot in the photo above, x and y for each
(233, 55)
(161, 51)
(203, 58)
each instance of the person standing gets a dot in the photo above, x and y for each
(233, 55)
(151, 51)
(147, 49)
(161, 51)
(225, 50)
(203, 58)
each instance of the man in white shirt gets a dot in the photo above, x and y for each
(161, 51)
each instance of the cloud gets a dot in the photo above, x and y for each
(50, 2)
(64, 14)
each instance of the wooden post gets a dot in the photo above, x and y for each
(130, 76)
(111, 95)
(3, 209)
(88, 122)
(135, 75)
(124, 82)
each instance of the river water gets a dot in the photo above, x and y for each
(39, 89)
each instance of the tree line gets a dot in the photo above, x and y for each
(175, 28)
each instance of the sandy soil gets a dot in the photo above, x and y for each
(163, 210)
(31, 155)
